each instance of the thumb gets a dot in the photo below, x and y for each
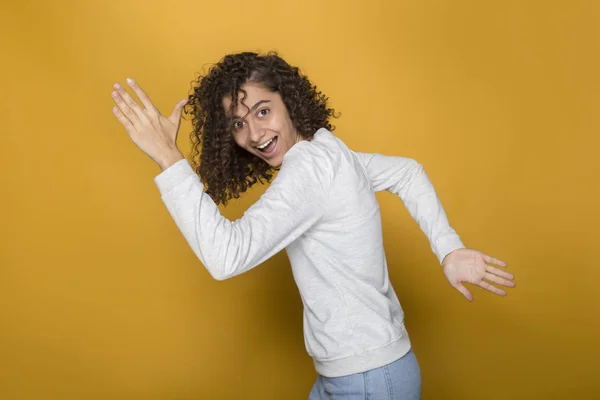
(465, 292)
(175, 116)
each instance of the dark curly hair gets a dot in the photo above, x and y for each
(225, 168)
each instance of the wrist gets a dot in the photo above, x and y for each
(169, 159)
(444, 260)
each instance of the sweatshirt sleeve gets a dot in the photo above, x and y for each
(290, 206)
(407, 179)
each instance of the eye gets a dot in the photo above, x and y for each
(238, 124)
(263, 112)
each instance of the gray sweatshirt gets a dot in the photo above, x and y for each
(321, 208)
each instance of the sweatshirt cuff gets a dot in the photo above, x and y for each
(171, 177)
(446, 245)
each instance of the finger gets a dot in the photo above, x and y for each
(126, 110)
(499, 272)
(132, 103)
(465, 292)
(498, 280)
(150, 107)
(124, 120)
(491, 288)
(492, 260)
(177, 111)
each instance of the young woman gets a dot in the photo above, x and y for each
(255, 114)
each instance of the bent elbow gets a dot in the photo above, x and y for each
(222, 269)
(219, 275)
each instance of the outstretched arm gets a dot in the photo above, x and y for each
(406, 178)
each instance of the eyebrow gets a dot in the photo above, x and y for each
(254, 107)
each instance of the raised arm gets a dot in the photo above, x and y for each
(407, 179)
(290, 206)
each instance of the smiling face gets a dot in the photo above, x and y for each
(261, 125)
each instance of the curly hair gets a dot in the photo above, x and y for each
(224, 167)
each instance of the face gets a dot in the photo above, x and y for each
(261, 125)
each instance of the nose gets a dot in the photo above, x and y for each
(256, 133)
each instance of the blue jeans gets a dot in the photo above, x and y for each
(400, 380)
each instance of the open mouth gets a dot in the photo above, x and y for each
(268, 148)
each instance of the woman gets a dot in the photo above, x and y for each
(254, 114)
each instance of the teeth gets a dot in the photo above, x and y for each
(266, 144)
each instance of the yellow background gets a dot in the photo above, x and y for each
(100, 296)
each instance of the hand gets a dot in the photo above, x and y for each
(153, 133)
(472, 266)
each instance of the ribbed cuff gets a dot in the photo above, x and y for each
(446, 245)
(168, 179)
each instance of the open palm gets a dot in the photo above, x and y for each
(152, 132)
(472, 266)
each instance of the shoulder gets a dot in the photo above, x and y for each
(314, 160)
